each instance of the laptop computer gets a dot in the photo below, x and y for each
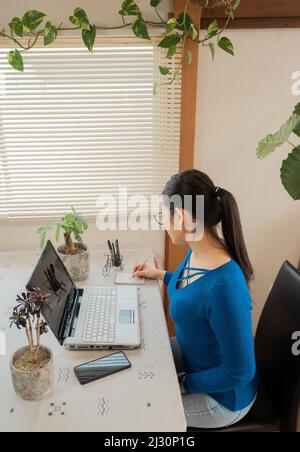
(96, 318)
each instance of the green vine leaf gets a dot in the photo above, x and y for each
(194, 32)
(15, 59)
(170, 41)
(75, 21)
(140, 29)
(213, 29)
(89, 37)
(273, 141)
(50, 34)
(32, 19)
(164, 70)
(190, 57)
(226, 45)
(171, 52)
(290, 173)
(155, 3)
(16, 27)
(171, 25)
(82, 19)
(130, 8)
(184, 22)
(212, 48)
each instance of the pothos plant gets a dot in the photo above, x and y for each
(27, 314)
(72, 224)
(290, 169)
(24, 32)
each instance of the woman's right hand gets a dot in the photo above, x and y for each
(148, 272)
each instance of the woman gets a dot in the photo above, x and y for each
(210, 305)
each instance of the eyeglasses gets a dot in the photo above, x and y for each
(159, 218)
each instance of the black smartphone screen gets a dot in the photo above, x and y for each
(100, 368)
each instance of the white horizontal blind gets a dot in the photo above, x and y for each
(75, 126)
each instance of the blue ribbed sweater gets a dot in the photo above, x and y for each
(213, 322)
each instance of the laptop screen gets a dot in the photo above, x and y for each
(51, 276)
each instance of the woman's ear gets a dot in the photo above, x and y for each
(194, 230)
(179, 219)
(188, 224)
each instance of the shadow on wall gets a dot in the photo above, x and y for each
(274, 236)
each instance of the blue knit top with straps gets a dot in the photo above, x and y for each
(213, 320)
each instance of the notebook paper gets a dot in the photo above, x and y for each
(126, 278)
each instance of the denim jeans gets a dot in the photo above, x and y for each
(201, 410)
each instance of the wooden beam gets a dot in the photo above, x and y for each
(189, 92)
(257, 23)
(174, 255)
(258, 14)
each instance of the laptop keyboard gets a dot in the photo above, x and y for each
(100, 324)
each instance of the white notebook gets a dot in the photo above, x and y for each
(126, 278)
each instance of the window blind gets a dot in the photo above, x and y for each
(75, 126)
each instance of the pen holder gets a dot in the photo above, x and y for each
(111, 262)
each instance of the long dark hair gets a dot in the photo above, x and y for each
(219, 207)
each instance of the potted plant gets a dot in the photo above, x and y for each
(290, 169)
(32, 366)
(74, 253)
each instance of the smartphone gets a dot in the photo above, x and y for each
(100, 368)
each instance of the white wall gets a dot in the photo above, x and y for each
(240, 100)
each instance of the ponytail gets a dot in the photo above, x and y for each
(233, 233)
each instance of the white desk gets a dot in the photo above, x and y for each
(144, 398)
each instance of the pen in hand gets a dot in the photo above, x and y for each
(140, 268)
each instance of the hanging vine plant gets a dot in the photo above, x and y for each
(25, 32)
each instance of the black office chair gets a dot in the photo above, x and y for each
(277, 408)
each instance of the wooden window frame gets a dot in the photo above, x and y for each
(258, 14)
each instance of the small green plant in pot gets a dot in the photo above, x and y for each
(74, 253)
(32, 366)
